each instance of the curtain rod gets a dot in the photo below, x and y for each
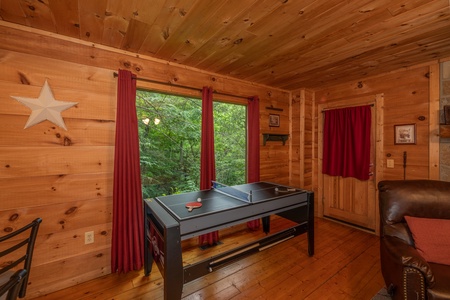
(325, 109)
(181, 86)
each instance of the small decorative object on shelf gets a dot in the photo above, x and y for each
(275, 137)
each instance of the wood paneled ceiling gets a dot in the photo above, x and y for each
(288, 44)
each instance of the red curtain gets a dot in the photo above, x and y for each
(346, 142)
(253, 172)
(127, 251)
(207, 158)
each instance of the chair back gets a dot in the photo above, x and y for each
(16, 252)
(418, 198)
(10, 290)
(415, 198)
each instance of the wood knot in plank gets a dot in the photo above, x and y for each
(8, 229)
(182, 12)
(71, 210)
(23, 79)
(165, 33)
(126, 64)
(14, 217)
(67, 141)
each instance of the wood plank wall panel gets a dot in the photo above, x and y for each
(406, 97)
(309, 141)
(296, 173)
(65, 177)
(303, 141)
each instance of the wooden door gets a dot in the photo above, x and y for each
(349, 199)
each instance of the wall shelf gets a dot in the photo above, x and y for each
(275, 137)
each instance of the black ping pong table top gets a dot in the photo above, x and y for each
(214, 201)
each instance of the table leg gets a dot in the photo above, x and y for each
(148, 257)
(266, 224)
(310, 223)
(173, 264)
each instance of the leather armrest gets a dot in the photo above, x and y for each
(406, 255)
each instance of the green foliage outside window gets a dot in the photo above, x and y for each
(170, 137)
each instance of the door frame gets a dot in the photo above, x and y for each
(378, 102)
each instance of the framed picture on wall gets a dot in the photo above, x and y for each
(405, 134)
(274, 120)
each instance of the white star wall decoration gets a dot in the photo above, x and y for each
(45, 107)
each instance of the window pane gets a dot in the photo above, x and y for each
(230, 142)
(170, 137)
(170, 147)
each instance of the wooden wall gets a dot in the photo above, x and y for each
(65, 177)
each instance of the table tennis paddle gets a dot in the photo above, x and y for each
(191, 205)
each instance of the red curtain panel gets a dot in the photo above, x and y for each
(346, 142)
(253, 156)
(207, 157)
(127, 251)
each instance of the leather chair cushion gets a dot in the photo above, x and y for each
(431, 238)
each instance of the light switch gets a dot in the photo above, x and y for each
(390, 163)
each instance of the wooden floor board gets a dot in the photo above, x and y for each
(345, 266)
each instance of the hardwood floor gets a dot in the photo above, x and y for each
(345, 266)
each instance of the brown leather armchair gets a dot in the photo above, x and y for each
(407, 275)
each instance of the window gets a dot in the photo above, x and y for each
(170, 137)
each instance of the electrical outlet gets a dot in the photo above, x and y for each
(390, 163)
(88, 237)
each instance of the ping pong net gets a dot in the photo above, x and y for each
(232, 192)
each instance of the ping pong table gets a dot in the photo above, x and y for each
(168, 222)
